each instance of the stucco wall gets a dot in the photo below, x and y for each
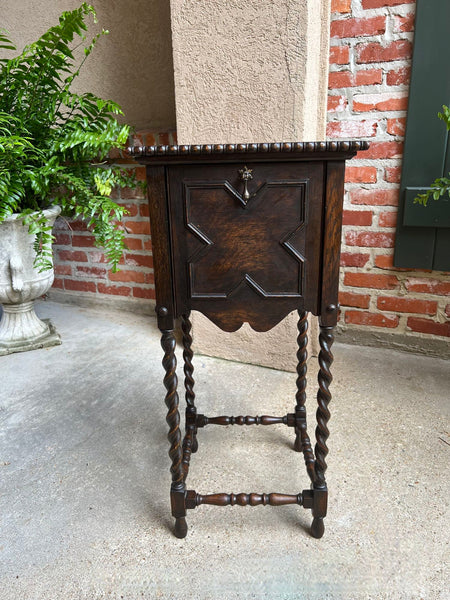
(132, 65)
(257, 72)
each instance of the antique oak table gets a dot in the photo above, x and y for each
(247, 233)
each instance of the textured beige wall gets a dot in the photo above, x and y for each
(250, 71)
(132, 65)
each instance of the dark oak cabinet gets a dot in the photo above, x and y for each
(247, 233)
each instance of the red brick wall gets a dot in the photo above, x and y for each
(371, 45)
(370, 60)
(80, 267)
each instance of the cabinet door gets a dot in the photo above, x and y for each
(246, 257)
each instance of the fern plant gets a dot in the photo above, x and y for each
(441, 186)
(54, 143)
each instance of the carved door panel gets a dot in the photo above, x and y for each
(246, 251)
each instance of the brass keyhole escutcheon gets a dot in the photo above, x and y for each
(246, 175)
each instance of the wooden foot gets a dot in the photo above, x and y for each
(316, 499)
(178, 503)
(317, 527)
(181, 527)
(320, 493)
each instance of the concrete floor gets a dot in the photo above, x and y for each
(84, 501)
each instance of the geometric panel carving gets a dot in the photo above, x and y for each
(237, 244)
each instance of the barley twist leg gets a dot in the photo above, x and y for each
(188, 354)
(326, 339)
(302, 441)
(177, 491)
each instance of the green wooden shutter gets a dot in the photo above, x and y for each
(423, 233)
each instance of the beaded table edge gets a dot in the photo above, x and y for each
(260, 148)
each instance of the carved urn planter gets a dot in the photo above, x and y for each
(20, 284)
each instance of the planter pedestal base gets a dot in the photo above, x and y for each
(22, 330)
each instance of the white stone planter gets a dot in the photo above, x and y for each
(20, 284)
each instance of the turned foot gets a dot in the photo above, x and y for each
(317, 527)
(181, 527)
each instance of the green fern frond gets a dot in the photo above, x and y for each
(54, 142)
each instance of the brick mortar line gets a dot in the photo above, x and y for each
(369, 228)
(402, 325)
(368, 162)
(376, 38)
(365, 117)
(402, 276)
(342, 116)
(373, 269)
(390, 12)
(373, 309)
(410, 333)
(131, 286)
(394, 330)
(90, 277)
(137, 236)
(367, 89)
(375, 209)
(354, 91)
(75, 264)
(387, 185)
(385, 65)
(359, 12)
(441, 301)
